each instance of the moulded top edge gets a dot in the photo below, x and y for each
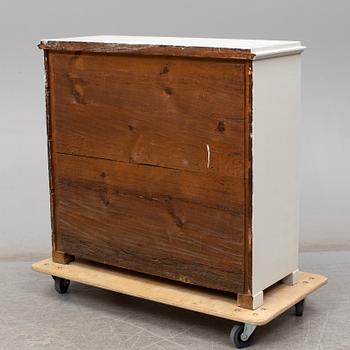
(259, 48)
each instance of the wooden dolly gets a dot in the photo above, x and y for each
(277, 299)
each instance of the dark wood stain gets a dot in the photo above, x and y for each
(126, 111)
(248, 180)
(150, 219)
(148, 50)
(131, 185)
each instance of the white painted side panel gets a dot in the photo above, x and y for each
(276, 116)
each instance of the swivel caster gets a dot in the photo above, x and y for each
(299, 308)
(61, 284)
(241, 335)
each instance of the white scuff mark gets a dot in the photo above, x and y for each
(208, 156)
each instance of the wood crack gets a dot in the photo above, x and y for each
(124, 162)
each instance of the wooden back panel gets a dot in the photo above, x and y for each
(148, 164)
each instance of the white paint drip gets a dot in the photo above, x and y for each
(208, 154)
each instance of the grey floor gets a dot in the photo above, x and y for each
(34, 316)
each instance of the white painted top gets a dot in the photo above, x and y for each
(261, 48)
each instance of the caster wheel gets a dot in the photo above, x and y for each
(299, 308)
(61, 285)
(236, 337)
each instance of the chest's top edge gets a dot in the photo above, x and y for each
(176, 46)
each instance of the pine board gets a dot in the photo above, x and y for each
(149, 165)
(277, 298)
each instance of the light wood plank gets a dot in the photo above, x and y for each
(277, 298)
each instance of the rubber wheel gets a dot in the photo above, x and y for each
(299, 308)
(235, 337)
(61, 285)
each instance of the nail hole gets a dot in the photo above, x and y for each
(179, 222)
(168, 90)
(165, 70)
(221, 126)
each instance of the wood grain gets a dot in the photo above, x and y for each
(61, 257)
(183, 226)
(142, 110)
(278, 298)
(150, 164)
(154, 50)
(248, 178)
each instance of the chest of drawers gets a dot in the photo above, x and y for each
(176, 157)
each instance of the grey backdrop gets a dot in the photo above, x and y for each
(323, 26)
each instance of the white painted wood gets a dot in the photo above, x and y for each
(258, 300)
(261, 48)
(276, 114)
(292, 278)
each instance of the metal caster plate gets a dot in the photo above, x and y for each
(241, 335)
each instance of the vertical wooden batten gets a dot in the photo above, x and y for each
(57, 256)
